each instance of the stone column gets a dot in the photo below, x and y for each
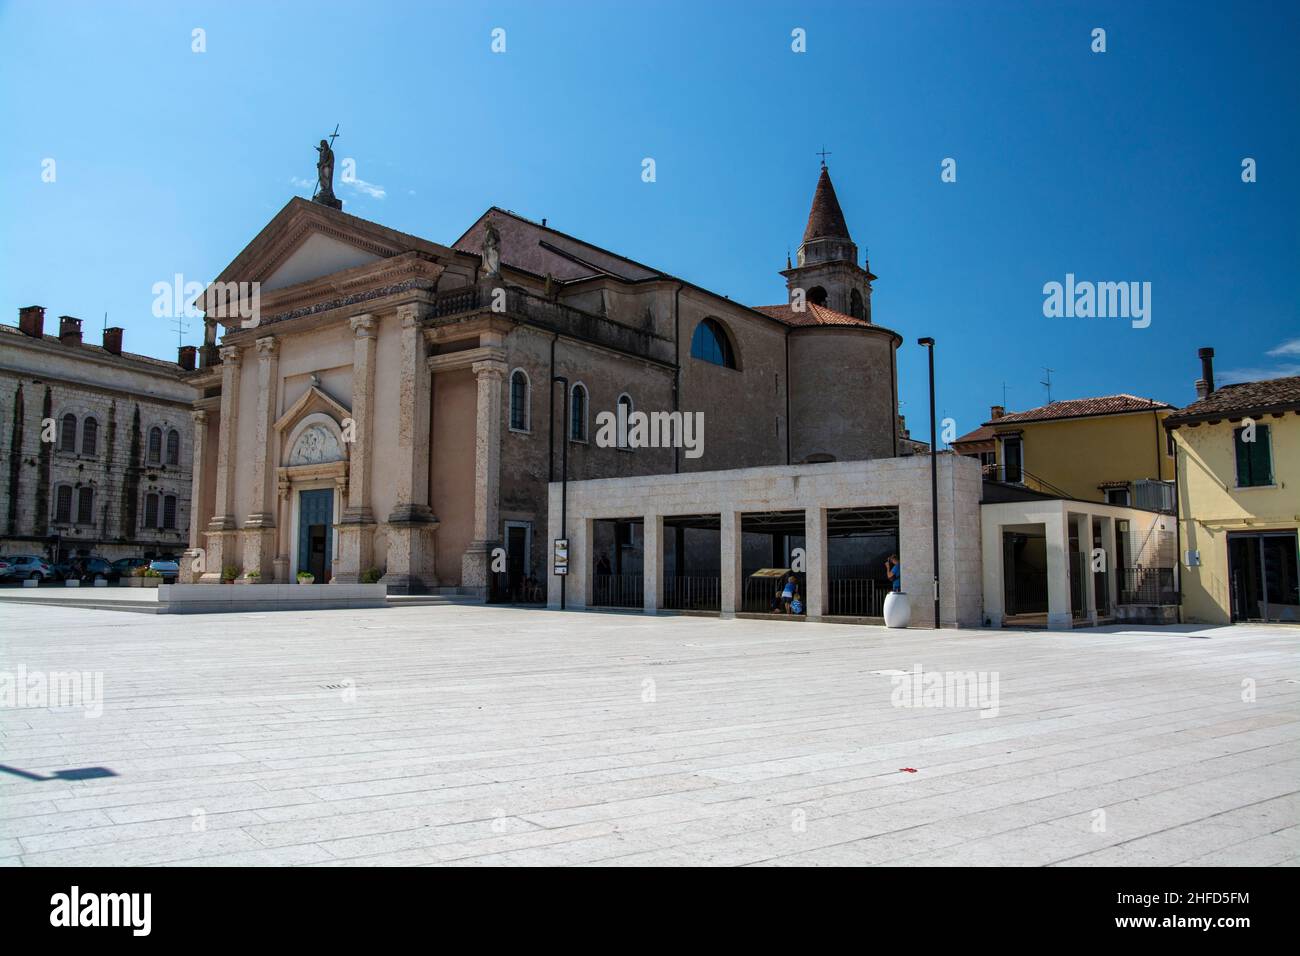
(652, 563)
(192, 563)
(730, 569)
(283, 544)
(411, 523)
(815, 563)
(221, 528)
(259, 527)
(356, 533)
(1089, 574)
(475, 563)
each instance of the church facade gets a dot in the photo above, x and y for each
(395, 407)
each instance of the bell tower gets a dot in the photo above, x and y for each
(827, 268)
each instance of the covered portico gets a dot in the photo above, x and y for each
(815, 492)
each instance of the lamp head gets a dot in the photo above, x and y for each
(926, 341)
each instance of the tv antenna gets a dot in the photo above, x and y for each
(1048, 383)
(181, 328)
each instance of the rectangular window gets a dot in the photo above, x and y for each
(1117, 496)
(1254, 458)
(150, 511)
(169, 511)
(1011, 460)
(63, 505)
(86, 506)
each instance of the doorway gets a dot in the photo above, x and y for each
(1263, 576)
(316, 533)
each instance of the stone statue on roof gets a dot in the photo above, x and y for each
(491, 250)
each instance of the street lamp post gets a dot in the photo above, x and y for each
(928, 342)
(564, 480)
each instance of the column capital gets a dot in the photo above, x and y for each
(199, 415)
(490, 368)
(363, 325)
(411, 316)
(231, 354)
(267, 346)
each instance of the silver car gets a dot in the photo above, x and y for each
(170, 570)
(23, 567)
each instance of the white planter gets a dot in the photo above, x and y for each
(307, 580)
(31, 583)
(101, 582)
(898, 610)
(72, 583)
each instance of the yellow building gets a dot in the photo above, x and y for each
(1111, 449)
(1238, 485)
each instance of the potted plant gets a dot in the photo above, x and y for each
(229, 573)
(306, 577)
(371, 576)
(253, 576)
(150, 578)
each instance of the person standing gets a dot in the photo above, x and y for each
(894, 571)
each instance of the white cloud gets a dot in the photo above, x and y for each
(1286, 348)
(369, 189)
(1235, 375)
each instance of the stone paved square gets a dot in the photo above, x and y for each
(483, 735)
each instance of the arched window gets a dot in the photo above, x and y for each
(169, 511)
(856, 308)
(710, 344)
(150, 512)
(89, 436)
(68, 437)
(519, 411)
(173, 447)
(624, 413)
(155, 445)
(86, 506)
(63, 505)
(816, 295)
(578, 413)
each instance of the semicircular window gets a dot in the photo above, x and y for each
(710, 344)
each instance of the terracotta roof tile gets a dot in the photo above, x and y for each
(1082, 408)
(1272, 394)
(814, 315)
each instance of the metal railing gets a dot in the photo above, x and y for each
(760, 594)
(1147, 586)
(856, 597)
(1154, 495)
(693, 593)
(618, 590)
(1026, 592)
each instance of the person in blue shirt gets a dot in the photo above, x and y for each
(894, 571)
(787, 593)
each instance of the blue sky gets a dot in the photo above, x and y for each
(1115, 166)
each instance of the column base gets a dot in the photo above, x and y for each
(356, 549)
(476, 564)
(222, 549)
(411, 557)
(257, 546)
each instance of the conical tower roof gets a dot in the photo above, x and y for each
(825, 219)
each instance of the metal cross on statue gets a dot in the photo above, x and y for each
(333, 136)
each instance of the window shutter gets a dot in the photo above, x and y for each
(1261, 464)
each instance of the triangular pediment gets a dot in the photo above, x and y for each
(312, 401)
(307, 241)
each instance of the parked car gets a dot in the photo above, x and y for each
(61, 571)
(88, 569)
(21, 567)
(169, 569)
(124, 566)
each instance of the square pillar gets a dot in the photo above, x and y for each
(815, 563)
(192, 567)
(1057, 531)
(1112, 571)
(411, 524)
(1089, 573)
(475, 563)
(356, 528)
(730, 568)
(221, 535)
(258, 534)
(652, 563)
(994, 568)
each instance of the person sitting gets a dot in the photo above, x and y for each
(796, 604)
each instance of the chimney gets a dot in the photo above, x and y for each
(31, 320)
(69, 330)
(185, 357)
(1205, 384)
(113, 340)
(997, 411)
